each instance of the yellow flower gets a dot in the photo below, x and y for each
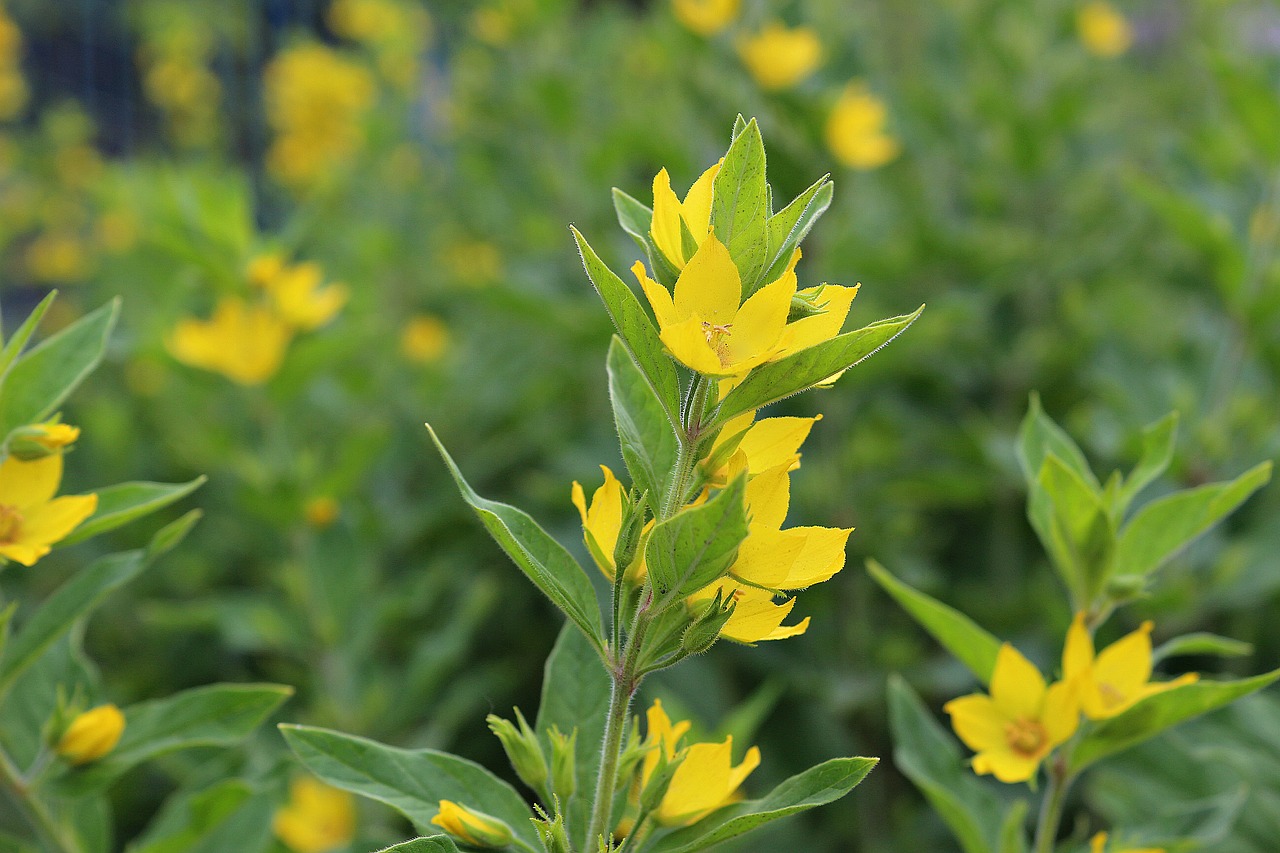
(1103, 30)
(706, 17)
(602, 523)
(1116, 679)
(474, 263)
(855, 130)
(245, 343)
(56, 257)
(321, 511)
(1098, 844)
(397, 33)
(706, 779)
(704, 327)
(91, 735)
(761, 445)
(31, 518)
(779, 57)
(424, 339)
(672, 217)
(472, 827)
(317, 817)
(1020, 723)
(755, 617)
(13, 89)
(49, 436)
(299, 299)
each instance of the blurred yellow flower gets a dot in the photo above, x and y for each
(673, 218)
(602, 520)
(397, 32)
(298, 298)
(36, 441)
(474, 262)
(321, 511)
(245, 343)
(1103, 30)
(117, 231)
(56, 257)
(472, 827)
(316, 101)
(706, 779)
(1020, 723)
(31, 518)
(706, 17)
(778, 57)
(91, 735)
(317, 818)
(13, 87)
(424, 339)
(1117, 678)
(855, 130)
(1098, 844)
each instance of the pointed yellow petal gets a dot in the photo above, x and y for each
(775, 441)
(757, 618)
(665, 229)
(687, 343)
(768, 496)
(50, 522)
(1125, 665)
(758, 324)
(23, 552)
(1061, 715)
(977, 721)
(1077, 653)
(1016, 685)
(697, 204)
(709, 288)
(27, 484)
(766, 556)
(820, 558)
(700, 782)
(659, 297)
(810, 331)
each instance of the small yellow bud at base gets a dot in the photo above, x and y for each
(472, 827)
(91, 735)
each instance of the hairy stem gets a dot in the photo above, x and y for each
(1055, 796)
(51, 836)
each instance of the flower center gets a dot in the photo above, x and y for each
(718, 337)
(1111, 695)
(10, 524)
(1026, 737)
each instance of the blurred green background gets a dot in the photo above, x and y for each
(1086, 196)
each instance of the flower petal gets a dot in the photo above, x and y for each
(768, 495)
(687, 343)
(758, 324)
(978, 721)
(27, 484)
(665, 229)
(821, 557)
(710, 287)
(1016, 685)
(50, 522)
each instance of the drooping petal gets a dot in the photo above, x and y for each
(756, 618)
(697, 204)
(49, 522)
(659, 297)
(768, 496)
(1005, 765)
(766, 556)
(820, 558)
(1016, 685)
(23, 552)
(709, 287)
(666, 220)
(28, 484)
(978, 721)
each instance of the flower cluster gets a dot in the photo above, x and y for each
(13, 86)
(31, 518)
(395, 31)
(246, 338)
(175, 61)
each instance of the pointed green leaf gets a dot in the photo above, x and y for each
(696, 545)
(817, 786)
(206, 821)
(636, 218)
(739, 125)
(431, 844)
(649, 445)
(789, 226)
(38, 382)
(1039, 436)
(213, 715)
(1013, 829)
(636, 330)
(1165, 526)
(9, 354)
(1162, 711)
(1157, 452)
(739, 205)
(1079, 532)
(542, 559)
(413, 782)
(1201, 644)
(928, 756)
(122, 503)
(776, 380)
(958, 634)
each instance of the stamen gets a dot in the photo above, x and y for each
(10, 524)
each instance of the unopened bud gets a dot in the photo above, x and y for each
(1121, 588)
(37, 441)
(551, 831)
(91, 735)
(523, 750)
(703, 632)
(659, 780)
(563, 780)
(472, 827)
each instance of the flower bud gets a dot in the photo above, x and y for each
(1122, 588)
(551, 830)
(523, 750)
(703, 632)
(563, 781)
(91, 735)
(37, 441)
(471, 827)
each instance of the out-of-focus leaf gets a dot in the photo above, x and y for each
(970, 644)
(122, 503)
(1073, 525)
(1013, 831)
(413, 782)
(431, 844)
(1201, 644)
(1157, 452)
(231, 815)
(13, 348)
(1039, 436)
(817, 786)
(696, 545)
(542, 559)
(649, 445)
(1165, 526)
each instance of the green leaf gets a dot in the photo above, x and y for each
(739, 205)
(696, 545)
(739, 125)
(575, 695)
(817, 786)
(230, 815)
(789, 226)
(1075, 528)
(1201, 644)
(1157, 452)
(122, 503)
(431, 844)
(168, 537)
(542, 559)
(1164, 527)
(413, 782)
(636, 330)
(958, 634)
(636, 218)
(39, 381)
(928, 756)
(1039, 437)
(1013, 829)
(9, 354)
(213, 715)
(776, 380)
(649, 445)
(74, 599)
(1163, 711)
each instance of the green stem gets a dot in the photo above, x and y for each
(1055, 796)
(50, 835)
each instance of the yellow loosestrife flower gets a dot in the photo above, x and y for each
(36, 441)
(778, 57)
(91, 735)
(706, 17)
(1103, 30)
(755, 616)
(424, 339)
(855, 130)
(31, 518)
(321, 512)
(602, 524)
(246, 343)
(760, 445)
(397, 32)
(317, 818)
(705, 328)
(706, 779)
(1116, 679)
(472, 827)
(299, 299)
(1020, 723)
(1098, 844)
(672, 217)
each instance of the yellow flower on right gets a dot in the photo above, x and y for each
(246, 343)
(855, 131)
(1116, 679)
(1103, 29)
(780, 57)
